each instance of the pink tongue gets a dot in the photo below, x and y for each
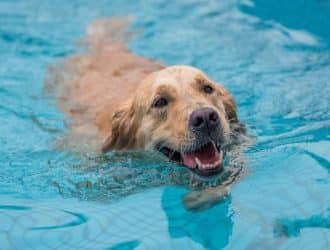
(208, 154)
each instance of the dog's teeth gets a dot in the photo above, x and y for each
(198, 162)
(208, 166)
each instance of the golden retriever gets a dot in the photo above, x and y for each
(129, 102)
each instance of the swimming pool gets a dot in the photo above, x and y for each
(274, 56)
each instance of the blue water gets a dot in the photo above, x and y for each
(274, 56)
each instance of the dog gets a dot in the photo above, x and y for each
(122, 101)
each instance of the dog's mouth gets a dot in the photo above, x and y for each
(206, 160)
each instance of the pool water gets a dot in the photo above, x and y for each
(274, 56)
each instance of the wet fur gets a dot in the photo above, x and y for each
(108, 92)
(136, 125)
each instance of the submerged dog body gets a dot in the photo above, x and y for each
(130, 102)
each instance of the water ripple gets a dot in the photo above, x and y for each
(14, 207)
(274, 57)
(293, 227)
(79, 219)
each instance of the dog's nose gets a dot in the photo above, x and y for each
(204, 120)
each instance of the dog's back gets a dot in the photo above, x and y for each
(90, 86)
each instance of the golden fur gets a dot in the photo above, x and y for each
(135, 124)
(109, 92)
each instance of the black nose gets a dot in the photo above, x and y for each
(203, 120)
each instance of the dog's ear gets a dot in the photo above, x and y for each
(230, 106)
(124, 128)
(231, 111)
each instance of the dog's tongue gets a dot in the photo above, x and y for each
(208, 154)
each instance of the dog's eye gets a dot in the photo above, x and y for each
(159, 102)
(208, 89)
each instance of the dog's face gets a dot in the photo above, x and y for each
(180, 112)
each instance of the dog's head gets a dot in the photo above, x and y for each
(180, 112)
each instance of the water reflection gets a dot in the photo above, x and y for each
(210, 227)
(292, 227)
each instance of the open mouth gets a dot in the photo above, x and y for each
(207, 160)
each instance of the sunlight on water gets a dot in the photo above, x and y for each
(274, 56)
